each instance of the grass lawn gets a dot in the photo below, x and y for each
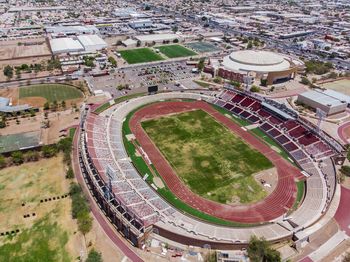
(50, 92)
(46, 236)
(174, 51)
(211, 160)
(140, 55)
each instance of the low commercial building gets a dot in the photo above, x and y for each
(141, 24)
(65, 45)
(92, 43)
(157, 38)
(318, 99)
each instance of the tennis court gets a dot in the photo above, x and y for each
(203, 47)
(9, 143)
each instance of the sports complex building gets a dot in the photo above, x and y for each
(137, 208)
(256, 64)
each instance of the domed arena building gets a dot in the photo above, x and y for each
(257, 64)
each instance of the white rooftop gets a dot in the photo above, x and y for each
(91, 40)
(65, 45)
(256, 60)
(321, 98)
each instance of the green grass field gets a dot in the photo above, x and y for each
(50, 92)
(140, 55)
(174, 51)
(211, 160)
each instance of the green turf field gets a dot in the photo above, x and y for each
(174, 51)
(209, 158)
(50, 92)
(140, 55)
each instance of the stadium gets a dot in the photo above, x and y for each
(139, 179)
(258, 64)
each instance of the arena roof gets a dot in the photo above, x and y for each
(65, 45)
(337, 95)
(256, 61)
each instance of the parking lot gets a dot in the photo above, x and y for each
(167, 75)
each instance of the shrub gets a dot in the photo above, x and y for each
(94, 256)
(70, 173)
(345, 170)
(17, 157)
(32, 156)
(254, 89)
(2, 161)
(49, 151)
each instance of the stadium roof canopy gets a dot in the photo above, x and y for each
(256, 61)
(6, 108)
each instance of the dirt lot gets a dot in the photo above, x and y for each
(13, 49)
(58, 121)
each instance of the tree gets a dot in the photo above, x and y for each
(201, 64)
(112, 61)
(260, 250)
(70, 173)
(8, 71)
(175, 29)
(84, 223)
(2, 124)
(94, 256)
(2, 161)
(138, 43)
(250, 45)
(63, 104)
(17, 157)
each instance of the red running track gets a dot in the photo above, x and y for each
(273, 206)
(344, 133)
(342, 216)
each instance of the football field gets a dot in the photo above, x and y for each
(215, 163)
(174, 51)
(140, 55)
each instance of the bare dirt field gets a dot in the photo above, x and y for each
(58, 121)
(49, 228)
(13, 49)
(11, 93)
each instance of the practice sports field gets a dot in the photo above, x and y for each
(211, 160)
(140, 55)
(339, 85)
(50, 92)
(174, 51)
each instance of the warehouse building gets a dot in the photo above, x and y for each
(324, 101)
(65, 45)
(92, 43)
